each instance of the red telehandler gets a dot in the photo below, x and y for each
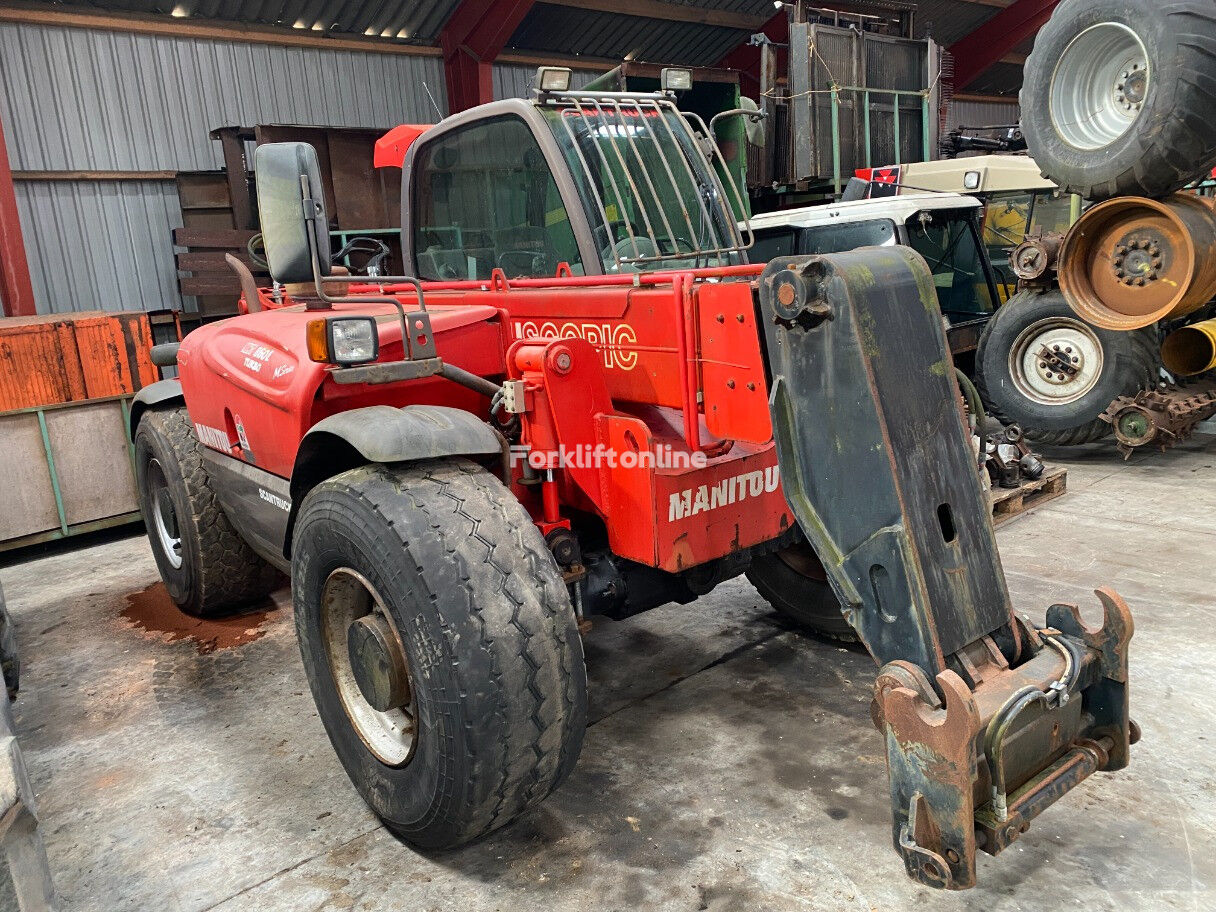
(584, 400)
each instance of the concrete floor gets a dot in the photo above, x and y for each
(731, 764)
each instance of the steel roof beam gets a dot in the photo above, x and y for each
(474, 36)
(997, 37)
(16, 291)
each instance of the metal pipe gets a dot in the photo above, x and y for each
(1190, 350)
(1131, 261)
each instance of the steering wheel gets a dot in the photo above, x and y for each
(256, 248)
(676, 245)
(375, 248)
(532, 263)
(608, 234)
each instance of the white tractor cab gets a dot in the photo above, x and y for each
(944, 228)
(1017, 199)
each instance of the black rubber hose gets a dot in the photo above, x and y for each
(972, 396)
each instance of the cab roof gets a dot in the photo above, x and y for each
(994, 174)
(897, 208)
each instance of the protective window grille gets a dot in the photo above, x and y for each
(654, 181)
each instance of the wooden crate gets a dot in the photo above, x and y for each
(1010, 502)
(69, 471)
(47, 360)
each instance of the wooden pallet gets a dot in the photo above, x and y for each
(1010, 502)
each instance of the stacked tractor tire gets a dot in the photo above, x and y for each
(1118, 106)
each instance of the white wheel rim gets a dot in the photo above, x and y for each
(1056, 361)
(164, 516)
(392, 735)
(1099, 86)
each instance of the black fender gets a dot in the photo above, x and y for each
(162, 392)
(384, 434)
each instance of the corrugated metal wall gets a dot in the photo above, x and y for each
(100, 245)
(134, 102)
(982, 113)
(514, 80)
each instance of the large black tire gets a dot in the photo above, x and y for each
(1075, 137)
(211, 570)
(793, 581)
(1065, 414)
(487, 636)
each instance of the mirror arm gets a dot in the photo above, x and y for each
(746, 112)
(310, 215)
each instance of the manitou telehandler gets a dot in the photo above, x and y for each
(583, 400)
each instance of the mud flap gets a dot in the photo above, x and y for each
(987, 720)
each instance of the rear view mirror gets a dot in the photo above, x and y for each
(754, 126)
(278, 169)
(856, 189)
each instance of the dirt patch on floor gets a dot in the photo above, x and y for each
(152, 610)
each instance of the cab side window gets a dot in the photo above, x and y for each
(771, 244)
(485, 199)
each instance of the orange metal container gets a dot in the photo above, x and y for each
(48, 360)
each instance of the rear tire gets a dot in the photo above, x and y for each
(480, 627)
(1053, 412)
(794, 582)
(1079, 113)
(205, 564)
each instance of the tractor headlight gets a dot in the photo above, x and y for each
(343, 340)
(553, 79)
(675, 80)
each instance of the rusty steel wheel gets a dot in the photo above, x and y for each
(369, 666)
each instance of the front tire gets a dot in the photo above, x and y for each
(440, 646)
(205, 564)
(1057, 400)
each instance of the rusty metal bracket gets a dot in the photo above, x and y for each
(1162, 417)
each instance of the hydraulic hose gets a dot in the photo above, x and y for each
(971, 395)
(1019, 700)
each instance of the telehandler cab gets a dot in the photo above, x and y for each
(584, 400)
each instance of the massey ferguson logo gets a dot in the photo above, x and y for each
(692, 501)
(614, 341)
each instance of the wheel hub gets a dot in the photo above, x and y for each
(1133, 427)
(1137, 262)
(1099, 86)
(369, 666)
(1058, 363)
(1055, 361)
(377, 663)
(164, 516)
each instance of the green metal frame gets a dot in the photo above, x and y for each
(897, 107)
(65, 529)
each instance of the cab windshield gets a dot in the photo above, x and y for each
(949, 242)
(649, 194)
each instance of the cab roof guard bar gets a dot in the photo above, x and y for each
(615, 118)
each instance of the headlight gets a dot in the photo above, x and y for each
(343, 340)
(971, 180)
(553, 79)
(674, 80)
